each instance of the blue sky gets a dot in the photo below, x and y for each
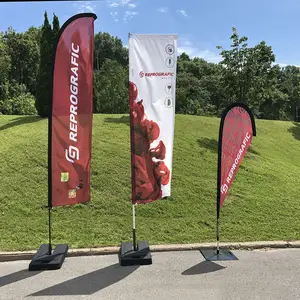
(200, 24)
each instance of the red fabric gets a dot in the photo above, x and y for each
(74, 188)
(237, 136)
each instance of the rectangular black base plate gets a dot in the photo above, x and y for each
(129, 257)
(43, 261)
(224, 254)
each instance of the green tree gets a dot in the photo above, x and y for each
(110, 88)
(24, 56)
(109, 47)
(44, 81)
(191, 97)
(55, 29)
(5, 65)
(34, 33)
(247, 71)
(289, 80)
(212, 84)
(246, 74)
(198, 86)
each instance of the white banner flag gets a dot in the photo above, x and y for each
(152, 76)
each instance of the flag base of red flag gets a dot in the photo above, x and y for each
(45, 261)
(213, 255)
(130, 257)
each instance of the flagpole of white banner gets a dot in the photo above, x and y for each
(133, 204)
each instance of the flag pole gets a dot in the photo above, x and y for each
(50, 241)
(133, 228)
(218, 240)
(50, 156)
(219, 181)
(132, 171)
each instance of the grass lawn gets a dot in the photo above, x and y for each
(263, 203)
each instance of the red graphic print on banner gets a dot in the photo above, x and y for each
(149, 171)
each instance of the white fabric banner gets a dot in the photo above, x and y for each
(152, 76)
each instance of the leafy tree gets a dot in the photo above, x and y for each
(109, 47)
(289, 79)
(246, 74)
(24, 56)
(247, 71)
(34, 33)
(191, 98)
(55, 29)
(5, 66)
(44, 81)
(184, 57)
(110, 88)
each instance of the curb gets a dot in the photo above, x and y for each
(27, 255)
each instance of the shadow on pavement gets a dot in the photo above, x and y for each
(20, 121)
(203, 268)
(17, 276)
(90, 283)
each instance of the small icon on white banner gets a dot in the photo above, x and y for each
(169, 88)
(169, 62)
(168, 102)
(170, 49)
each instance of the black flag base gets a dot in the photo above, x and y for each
(129, 257)
(45, 261)
(212, 255)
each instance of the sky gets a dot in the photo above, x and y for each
(201, 25)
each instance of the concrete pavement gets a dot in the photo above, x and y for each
(259, 274)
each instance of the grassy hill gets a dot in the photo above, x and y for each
(263, 203)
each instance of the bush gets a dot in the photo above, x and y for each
(20, 105)
(11, 89)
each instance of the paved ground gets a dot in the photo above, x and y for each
(173, 275)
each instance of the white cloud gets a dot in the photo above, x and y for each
(127, 4)
(114, 15)
(163, 9)
(113, 4)
(283, 65)
(118, 3)
(129, 15)
(182, 12)
(86, 6)
(209, 56)
(185, 45)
